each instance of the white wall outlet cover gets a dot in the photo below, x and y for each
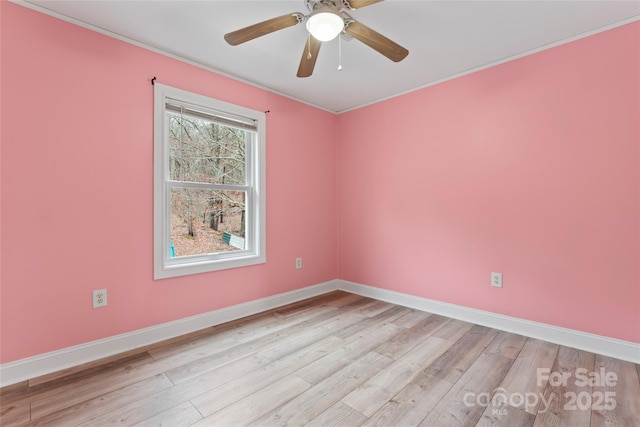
(496, 280)
(99, 298)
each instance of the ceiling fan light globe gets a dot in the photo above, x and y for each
(325, 26)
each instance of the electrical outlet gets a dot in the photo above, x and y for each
(496, 280)
(298, 263)
(99, 298)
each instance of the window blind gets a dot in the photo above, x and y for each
(218, 117)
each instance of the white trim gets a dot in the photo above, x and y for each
(164, 266)
(47, 363)
(33, 367)
(624, 350)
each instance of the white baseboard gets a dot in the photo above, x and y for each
(624, 350)
(33, 367)
(47, 363)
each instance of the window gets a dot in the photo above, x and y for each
(209, 201)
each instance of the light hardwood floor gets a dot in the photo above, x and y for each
(337, 359)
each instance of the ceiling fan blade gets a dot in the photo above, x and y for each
(262, 28)
(309, 56)
(376, 41)
(358, 4)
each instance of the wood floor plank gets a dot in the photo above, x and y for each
(415, 401)
(624, 393)
(412, 403)
(353, 349)
(374, 307)
(308, 405)
(338, 415)
(103, 404)
(411, 318)
(219, 341)
(301, 338)
(278, 342)
(336, 359)
(183, 415)
(506, 344)
(86, 388)
(503, 415)
(405, 341)
(198, 367)
(372, 395)
(15, 413)
(456, 360)
(143, 408)
(86, 369)
(137, 411)
(43, 389)
(453, 330)
(226, 394)
(332, 299)
(342, 299)
(564, 384)
(536, 355)
(220, 334)
(257, 404)
(388, 315)
(202, 352)
(215, 399)
(460, 405)
(17, 388)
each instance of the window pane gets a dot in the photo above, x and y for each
(203, 151)
(206, 221)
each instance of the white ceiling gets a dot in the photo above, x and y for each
(444, 39)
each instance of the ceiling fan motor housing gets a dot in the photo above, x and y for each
(313, 5)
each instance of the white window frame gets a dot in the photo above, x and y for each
(255, 244)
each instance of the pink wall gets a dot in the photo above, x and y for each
(529, 168)
(77, 205)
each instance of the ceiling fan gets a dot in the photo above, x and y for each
(327, 19)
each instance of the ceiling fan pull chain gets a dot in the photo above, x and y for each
(309, 47)
(339, 53)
